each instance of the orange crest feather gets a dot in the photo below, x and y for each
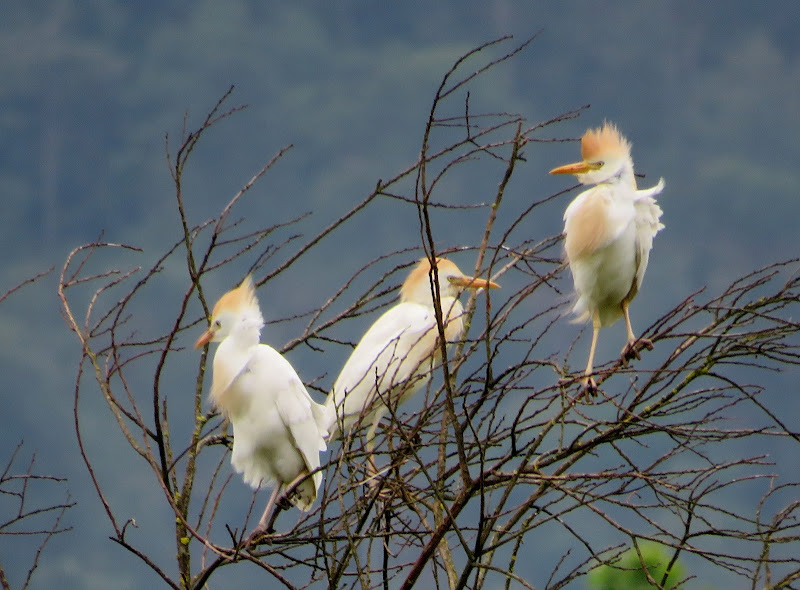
(600, 143)
(421, 273)
(241, 297)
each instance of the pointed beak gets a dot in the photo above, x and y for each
(474, 283)
(577, 168)
(205, 338)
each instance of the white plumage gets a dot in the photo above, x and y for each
(398, 353)
(609, 232)
(278, 430)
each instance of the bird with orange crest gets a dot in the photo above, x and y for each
(278, 429)
(609, 231)
(397, 355)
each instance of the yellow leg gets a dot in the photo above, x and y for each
(588, 382)
(374, 479)
(631, 337)
(372, 469)
(632, 348)
(265, 526)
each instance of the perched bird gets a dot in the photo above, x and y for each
(278, 430)
(609, 232)
(397, 355)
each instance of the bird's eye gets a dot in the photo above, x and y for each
(217, 324)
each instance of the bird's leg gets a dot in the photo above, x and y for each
(373, 480)
(589, 384)
(372, 469)
(632, 348)
(263, 525)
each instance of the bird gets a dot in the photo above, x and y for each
(278, 429)
(398, 353)
(609, 231)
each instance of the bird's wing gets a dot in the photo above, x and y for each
(648, 224)
(296, 412)
(594, 220)
(392, 352)
(651, 192)
(321, 418)
(294, 405)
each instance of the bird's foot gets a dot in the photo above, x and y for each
(590, 389)
(632, 349)
(265, 529)
(265, 533)
(260, 533)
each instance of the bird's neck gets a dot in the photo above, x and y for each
(624, 177)
(452, 310)
(422, 295)
(627, 177)
(230, 360)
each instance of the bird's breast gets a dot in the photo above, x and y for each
(594, 220)
(604, 277)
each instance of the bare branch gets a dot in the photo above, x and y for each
(499, 447)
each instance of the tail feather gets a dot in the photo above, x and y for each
(582, 315)
(328, 420)
(322, 419)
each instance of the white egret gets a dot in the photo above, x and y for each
(398, 353)
(609, 232)
(278, 430)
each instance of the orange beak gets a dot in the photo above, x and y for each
(577, 168)
(205, 338)
(474, 283)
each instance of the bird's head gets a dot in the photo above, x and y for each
(237, 309)
(417, 286)
(606, 154)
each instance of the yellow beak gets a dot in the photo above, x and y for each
(577, 168)
(474, 283)
(205, 338)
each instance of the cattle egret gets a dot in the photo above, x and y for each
(397, 355)
(609, 232)
(278, 430)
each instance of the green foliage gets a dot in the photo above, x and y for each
(630, 571)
